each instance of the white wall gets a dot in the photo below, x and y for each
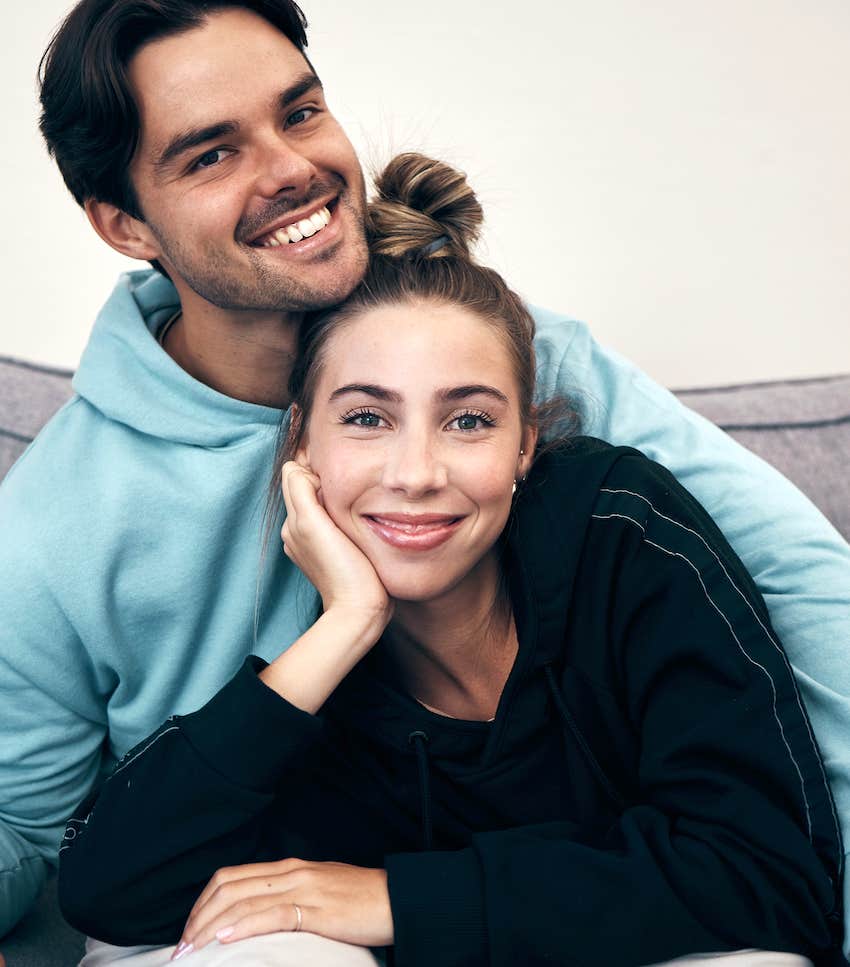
(674, 172)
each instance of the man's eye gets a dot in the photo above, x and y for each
(300, 116)
(210, 158)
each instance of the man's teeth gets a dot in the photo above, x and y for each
(298, 230)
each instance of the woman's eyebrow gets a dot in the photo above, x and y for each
(474, 389)
(368, 389)
(449, 394)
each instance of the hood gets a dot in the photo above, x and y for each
(544, 538)
(126, 375)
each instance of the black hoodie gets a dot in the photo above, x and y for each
(650, 786)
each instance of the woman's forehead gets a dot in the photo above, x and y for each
(424, 340)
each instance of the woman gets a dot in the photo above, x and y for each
(541, 718)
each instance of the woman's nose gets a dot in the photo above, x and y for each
(414, 466)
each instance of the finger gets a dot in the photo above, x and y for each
(231, 892)
(297, 481)
(227, 874)
(261, 872)
(281, 916)
(262, 914)
(285, 474)
(303, 487)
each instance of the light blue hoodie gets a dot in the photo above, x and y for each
(130, 559)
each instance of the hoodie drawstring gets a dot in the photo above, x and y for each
(572, 726)
(419, 741)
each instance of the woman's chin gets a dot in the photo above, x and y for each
(413, 588)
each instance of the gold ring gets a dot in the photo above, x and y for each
(297, 926)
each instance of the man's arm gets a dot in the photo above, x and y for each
(50, 735)
(798, 560)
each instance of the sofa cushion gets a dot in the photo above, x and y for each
(42, 938)
(29, 396)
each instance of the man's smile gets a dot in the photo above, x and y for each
(289, 230)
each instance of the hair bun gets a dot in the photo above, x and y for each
(418, 201)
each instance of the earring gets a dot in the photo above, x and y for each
(513, 489)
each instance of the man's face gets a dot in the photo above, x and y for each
(248, 185)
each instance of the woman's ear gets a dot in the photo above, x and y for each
(297, 442)
(526, 455)
(121, 231)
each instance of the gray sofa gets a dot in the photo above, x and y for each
(802, 427)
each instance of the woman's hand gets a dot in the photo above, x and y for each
(338, 901)
(337, 568)
(356, 605)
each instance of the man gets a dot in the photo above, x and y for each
(197, 137)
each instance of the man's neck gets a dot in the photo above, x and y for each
(245, 355)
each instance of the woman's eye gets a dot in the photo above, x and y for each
(470, 421)
(362, 418)
(367, 419)
(467, 422)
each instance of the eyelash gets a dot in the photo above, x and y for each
(350, 418)
(480, 415)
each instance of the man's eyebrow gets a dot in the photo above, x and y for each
(298, 88)
(195, 137)
(474, 389)
(192, 139)
(367, 389)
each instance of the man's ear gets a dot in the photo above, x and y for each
(121, 231)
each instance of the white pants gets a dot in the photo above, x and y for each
(309, 950)
(270, 950)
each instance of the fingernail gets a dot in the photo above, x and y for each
(224, 933)
(178, 950)
(182, 950)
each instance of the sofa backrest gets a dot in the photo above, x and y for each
(29, 395)
(802, 427)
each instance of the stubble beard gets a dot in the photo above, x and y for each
(264, 288)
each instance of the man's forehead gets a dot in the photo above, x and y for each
(212, 74)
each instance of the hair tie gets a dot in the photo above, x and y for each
(434, 246)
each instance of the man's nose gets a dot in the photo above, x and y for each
(414, 465)
(281, 167)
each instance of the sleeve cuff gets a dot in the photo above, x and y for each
(248, 732)
(437, 901)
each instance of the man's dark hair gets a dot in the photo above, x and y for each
(89, 118)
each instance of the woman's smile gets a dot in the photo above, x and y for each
(413, 532)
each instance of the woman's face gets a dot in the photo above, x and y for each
(415, 433)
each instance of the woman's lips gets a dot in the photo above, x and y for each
(419, 532)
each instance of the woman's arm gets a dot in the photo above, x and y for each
(729, 839)
(197, 795)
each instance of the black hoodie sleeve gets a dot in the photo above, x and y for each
(728, 840)
(193, 797)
